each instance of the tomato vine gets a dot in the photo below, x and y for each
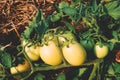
(73, 29)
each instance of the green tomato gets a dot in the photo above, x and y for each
(32, 50)
(101, 50)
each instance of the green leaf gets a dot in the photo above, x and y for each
(75, 78)
(5, 59)
(111, 70)
(82, 71)
(69, 11)
(70, 27)
(111, 45)
(115, 34)
(39, 77)
(113, 9)
(38, 25)
(61, 77)
(55, 18)
(63, 5)
(116, 67)
(94, 6)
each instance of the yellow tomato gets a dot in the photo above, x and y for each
(20, 68)
(62, 40)
(101, 51)
(51, 54)
(74, 54)
(66, 36)
(33, 52)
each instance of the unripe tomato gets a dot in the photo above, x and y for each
(20, 67)
(33, 52)
(74, 54)
(101, 50)
(51, 54)
(66, 36)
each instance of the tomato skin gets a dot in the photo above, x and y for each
(75, 54)
(65, 37)
(33, 52)
(117, 56)
(20, 68)
(51, 54)
(101, 51)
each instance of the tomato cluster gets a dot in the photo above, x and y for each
(58, 48)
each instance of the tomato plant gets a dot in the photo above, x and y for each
(52, 44)
(88, 44)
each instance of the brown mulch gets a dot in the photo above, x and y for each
(15, 15)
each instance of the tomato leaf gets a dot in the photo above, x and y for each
(94, 6)
(38, 25)
(5, 59)
(113, 9)
(111, 45)
(69, 11)
(70, 27)
(115, 34)
(63, 5)
(39, 77)
(116, 67)
(61, 77)
(111, 70)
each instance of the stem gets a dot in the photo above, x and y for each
(31, 65)
(27, 76)
(3, 47)
(51, 67)
(64, 61)
(46, 68)
(95, 67)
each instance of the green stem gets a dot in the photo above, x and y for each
(92, 75)
(26, 56)
(95, 67)
(64, 61)
(46, 68)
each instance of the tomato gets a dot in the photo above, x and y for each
(117, 56)
(50, 53)
(65, 37)
(62, 40)
(20, 67)
(101, 50)
(74, 54)
(32, 50)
